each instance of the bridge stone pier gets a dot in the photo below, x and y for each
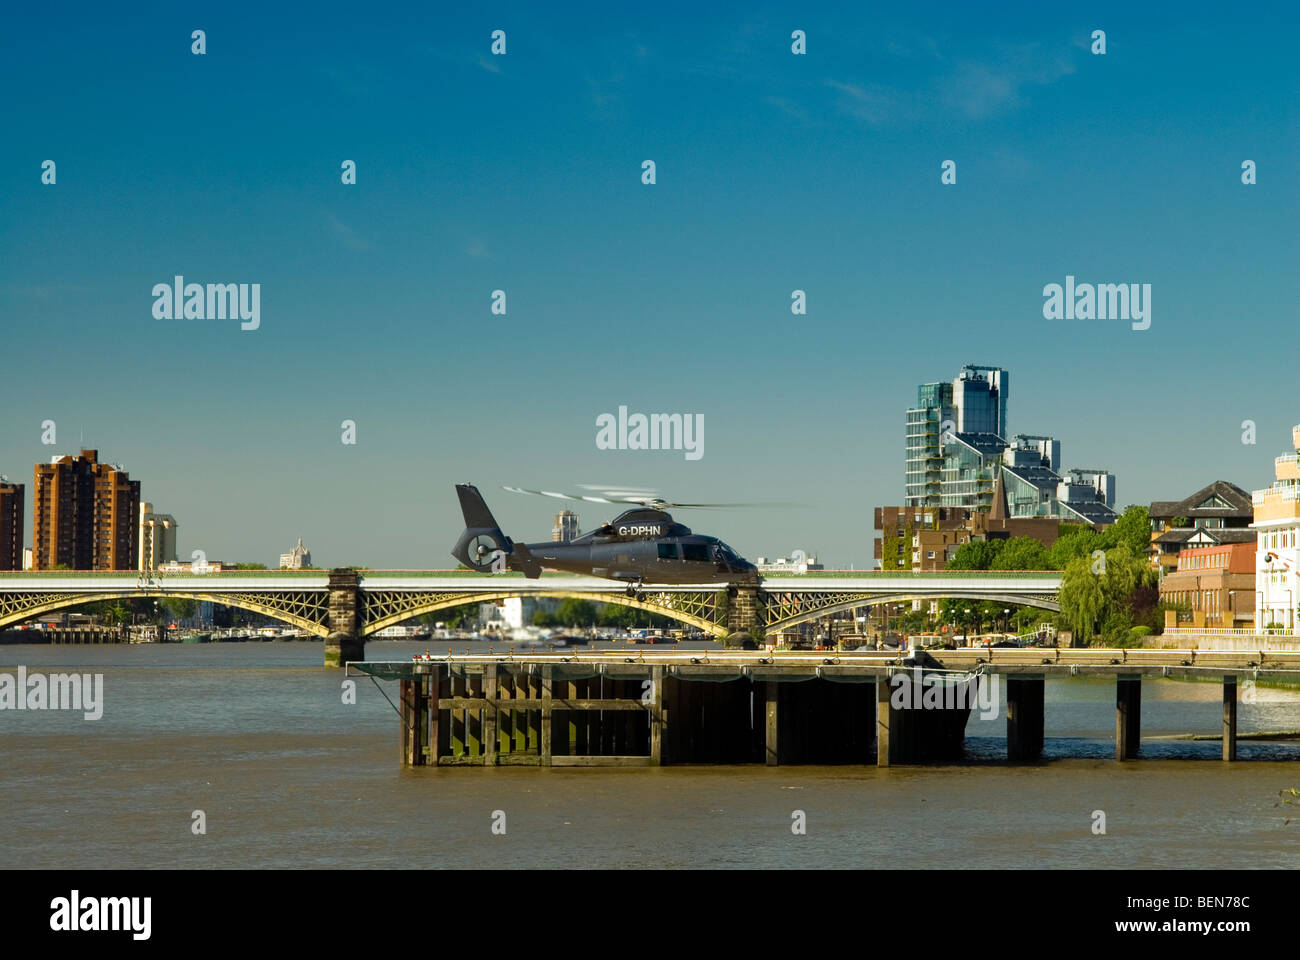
(345, 641)
(744, 614)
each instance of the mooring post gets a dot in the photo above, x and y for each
(1025, 716)
(435, 695)
(656, 716)
(1128, 715)
(345, 641)
(547, 672)
(490, 744)
(404, 711)
(1229, 718)
(415, 714)
(882, 721)
(773, 721)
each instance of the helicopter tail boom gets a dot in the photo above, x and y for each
(482, 546)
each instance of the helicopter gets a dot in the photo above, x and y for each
(643, 544)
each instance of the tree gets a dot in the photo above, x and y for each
(1082, 599)
(976, 555)
(181, 608)
(250, 566)
(1080, 543)
(576, 613)
(1021, 553)
(455, 618)
(1133, 530)
(1106, 595)
(1024, 619)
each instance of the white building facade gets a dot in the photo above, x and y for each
(1277, 555)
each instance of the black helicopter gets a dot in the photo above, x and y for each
(641, 545)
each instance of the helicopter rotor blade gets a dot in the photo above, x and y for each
(646, 497)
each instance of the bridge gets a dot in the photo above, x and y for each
(345, 606)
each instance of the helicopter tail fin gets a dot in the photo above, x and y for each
(474, 508)
(482, 546)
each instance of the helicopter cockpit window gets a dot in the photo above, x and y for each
(695, 551)
(667, 551)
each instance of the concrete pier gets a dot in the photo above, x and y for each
(1128, 716)
(1025, 715)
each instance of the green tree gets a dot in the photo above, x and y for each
(1080, 544)
(576, 613)
(1024, 619)
(976, 555)
(1082, 598)
(181, 608)
(1133, 530)
(1021, 553)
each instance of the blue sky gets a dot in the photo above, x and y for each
(522, 172)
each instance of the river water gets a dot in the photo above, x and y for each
(257, 737)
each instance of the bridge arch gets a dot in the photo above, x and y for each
(292, 610)
(693, 609)
(853, 602)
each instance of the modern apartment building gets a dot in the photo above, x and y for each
(944, 454)
(12, 497)
(1277, 553)
(84, 514)
(956, 453)
(566, 527)
(924, 539)
(157, 538)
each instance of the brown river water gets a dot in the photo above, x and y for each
(256, 736)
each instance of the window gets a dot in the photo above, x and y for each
(696, 552)
(667, 551)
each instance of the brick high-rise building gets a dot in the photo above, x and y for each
(11, 525)
(84, 515)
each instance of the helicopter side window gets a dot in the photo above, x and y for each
(667, 551)
(697, 552)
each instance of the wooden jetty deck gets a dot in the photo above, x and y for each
(646, 708)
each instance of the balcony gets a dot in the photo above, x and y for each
(1278, 502)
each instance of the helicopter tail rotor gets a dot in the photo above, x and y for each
(482, 546)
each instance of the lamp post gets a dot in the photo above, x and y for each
(1006, 620)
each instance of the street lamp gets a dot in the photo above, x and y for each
(1006, 620)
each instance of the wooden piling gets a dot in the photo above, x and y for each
(882, 722)
(474, 719)
(770, 696)
(458, 718)
(1229, 718)
(547, 715)
(490, 733)
(439, 729)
